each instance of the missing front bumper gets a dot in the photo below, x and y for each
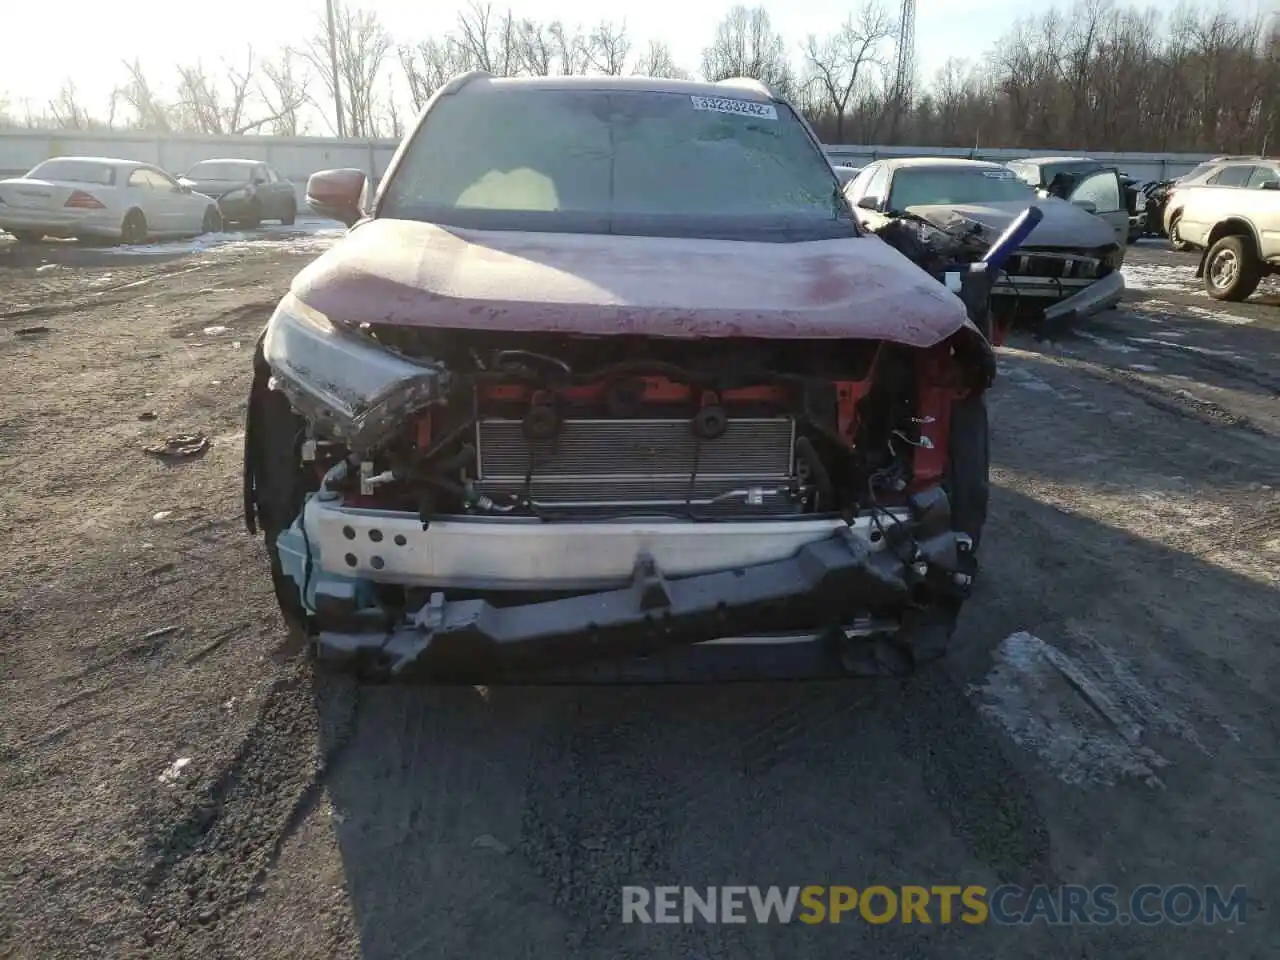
(1064, 304)
(787, 613)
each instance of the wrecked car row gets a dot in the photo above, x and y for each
(1068, 268)
(130, 202)
(606, 382)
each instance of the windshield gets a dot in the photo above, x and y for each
(921, 186)
(617, 161)
(1196, 172)
(213, 170)
(75, 171)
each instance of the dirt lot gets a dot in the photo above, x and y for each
(175, 785)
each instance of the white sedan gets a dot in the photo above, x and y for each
(95, 198)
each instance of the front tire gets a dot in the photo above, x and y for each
(1232, 269)
(274, 484)
(212, 222)
(254, 218)
(1175, 238)
(925, 634)
(134, 228)
(968, 481)
(290, 214)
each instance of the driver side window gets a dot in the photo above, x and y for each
(1102, 190)
(877, 187)
(855, 187)
(162, 181)
(1262, 175)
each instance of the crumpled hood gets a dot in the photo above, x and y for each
(421, 274)
(1064, 225)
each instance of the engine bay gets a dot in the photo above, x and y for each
(577, 427)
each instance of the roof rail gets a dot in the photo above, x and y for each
(747, 83)
(454, 84)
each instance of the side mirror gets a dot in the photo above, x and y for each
(869, 203)
(336, 194)
(1270, 185)
(1088, 206)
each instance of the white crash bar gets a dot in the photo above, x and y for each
(518, 554)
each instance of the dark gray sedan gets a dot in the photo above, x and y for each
(247, 191)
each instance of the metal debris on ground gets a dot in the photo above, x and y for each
(147, 415)
(174, 769)
(487, 841)
(180, 447)
(30, 331)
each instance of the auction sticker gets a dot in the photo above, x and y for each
(743, 108)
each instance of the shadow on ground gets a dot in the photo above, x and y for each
(505, 825)
(1129, 435)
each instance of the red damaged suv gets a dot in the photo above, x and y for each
(605, 382)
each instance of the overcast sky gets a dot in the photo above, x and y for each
(47, 43)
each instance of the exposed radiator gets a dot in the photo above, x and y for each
(646, 464)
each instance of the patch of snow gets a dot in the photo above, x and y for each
(1219, 316)
(1161, 311)
(1144, 368)
(1206, 351)
(174, 769)
(215, 330)
(305, 236)
(1088, 717)
(1026, 379)
(1143, 276)
(1106, 344)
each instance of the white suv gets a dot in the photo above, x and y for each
(1233, 215)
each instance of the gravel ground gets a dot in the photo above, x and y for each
(175, 784)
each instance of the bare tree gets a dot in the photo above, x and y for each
(362, 46)
(150, 112)
(428, 66)
(66, 109)
(608, 48)
(490, 42)
(657, 61)
(205, 105)
(285, 92)
(1095, 76)
(746, 45)
(840, 63)
(571, 47)
(538, 49)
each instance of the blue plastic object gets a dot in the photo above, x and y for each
(1011, 239)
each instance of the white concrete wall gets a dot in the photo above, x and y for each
(298, 158)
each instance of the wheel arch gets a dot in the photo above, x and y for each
(1234, 227)
(129, 212)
